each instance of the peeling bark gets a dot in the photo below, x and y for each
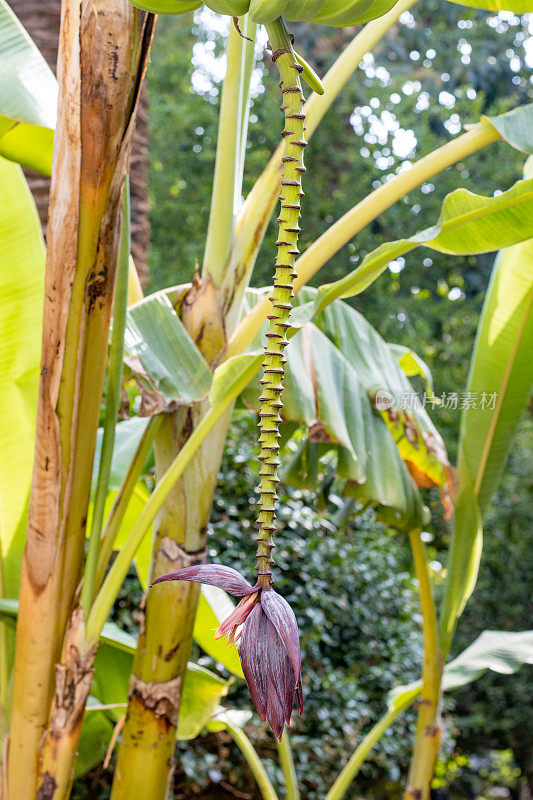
(99, 90)
(202, 315)
(162, 699)
(41, 18)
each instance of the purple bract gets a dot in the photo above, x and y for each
(270, 644)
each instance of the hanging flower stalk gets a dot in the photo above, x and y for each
(281, 299)
(263, 620)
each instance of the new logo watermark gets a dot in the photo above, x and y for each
(410, 401)
(384, 400)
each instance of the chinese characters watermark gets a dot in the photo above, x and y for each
(484, 401)
(410, 401)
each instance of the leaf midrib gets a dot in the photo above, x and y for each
(478, 213)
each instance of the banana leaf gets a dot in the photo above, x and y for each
(169, 368)
(501, 376)
(338, 371)
(500, 651)
(28, 97)
(21, 293)
(468, 224)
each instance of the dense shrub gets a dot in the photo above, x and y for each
(356, 605)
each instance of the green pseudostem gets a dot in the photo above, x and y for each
(274, 361)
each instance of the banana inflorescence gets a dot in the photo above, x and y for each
(282, 294)
(290, 67)
(337, 13)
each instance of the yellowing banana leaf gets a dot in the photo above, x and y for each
(28, 97)
(388, 481)
(501, 376)
(500, 651)
(468, 224)
(413, 365)
(21, 293)
(169, 368)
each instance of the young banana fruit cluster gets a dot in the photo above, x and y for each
(337, 13)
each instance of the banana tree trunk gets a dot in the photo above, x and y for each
(41, 18)
(99, 87)
(149, 735)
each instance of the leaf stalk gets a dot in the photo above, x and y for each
(359, 217)
(114, 378)
(428, 729)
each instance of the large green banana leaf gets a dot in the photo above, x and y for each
(21, 291)
(167, 364)
(500, 379)
(500, 651)
(468, 224)
(336, 368)
(28, 97)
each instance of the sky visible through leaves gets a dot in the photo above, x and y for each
(392, 146)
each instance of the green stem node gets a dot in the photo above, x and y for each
(274, 361)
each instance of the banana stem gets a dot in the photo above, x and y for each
(221, 227)
(273, 364)
(254, 762)
(292, 791)
(114, 377)
(428, 728)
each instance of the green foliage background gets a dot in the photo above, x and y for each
(443, 67)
